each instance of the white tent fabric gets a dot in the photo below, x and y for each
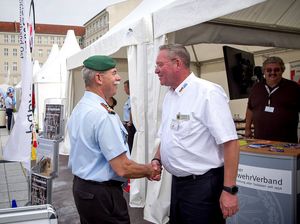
(198, 12)
(50, 81)
(42, 74)
(142, 51)
(133, 29)
(36, 68)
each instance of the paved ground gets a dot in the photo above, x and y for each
(14, 186)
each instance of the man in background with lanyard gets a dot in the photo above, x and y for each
(274, 105)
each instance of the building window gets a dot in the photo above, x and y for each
(6, 66)
(15, 52)
(58, 41)
(5, 51)
(5, 38)
(51, 40)
(13, 39)
(14, 67)
(39, 40)
(40, 52)
(48, 52)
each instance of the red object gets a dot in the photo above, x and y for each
(126, 186)
(34, 143)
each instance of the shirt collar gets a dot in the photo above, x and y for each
(184, 85)
(94, 97)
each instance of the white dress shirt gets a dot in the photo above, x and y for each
(196, 121)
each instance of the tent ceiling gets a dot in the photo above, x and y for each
(274, 14)
(273, 23)
(214, 52)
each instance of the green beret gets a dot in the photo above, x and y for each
(100, 63)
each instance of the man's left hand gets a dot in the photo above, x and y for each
(229, 204)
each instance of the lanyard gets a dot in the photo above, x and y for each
(270, 93)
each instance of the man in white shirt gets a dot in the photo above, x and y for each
(199, 144)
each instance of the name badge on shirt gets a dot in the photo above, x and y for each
(269, 109)
(183, 117)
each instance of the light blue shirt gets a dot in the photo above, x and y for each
(96, 137)
(126, 110)
(9, 103)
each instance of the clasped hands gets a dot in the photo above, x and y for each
(156, 169)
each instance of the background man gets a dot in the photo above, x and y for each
(10, 106)
(198, 142)
(127, 117)
(274, 105)
(99, 152)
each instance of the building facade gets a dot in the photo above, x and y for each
(45, 36)
(106, 19)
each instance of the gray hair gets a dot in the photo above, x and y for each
(88, 75)
(276, 60)
(177, 50)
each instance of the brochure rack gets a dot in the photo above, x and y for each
(46, 168)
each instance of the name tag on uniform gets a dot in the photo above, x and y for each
(269, 109)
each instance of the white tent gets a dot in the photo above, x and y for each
(168, 21)
(50, 81)
(48, 73)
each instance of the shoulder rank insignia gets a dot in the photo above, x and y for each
(109, 110)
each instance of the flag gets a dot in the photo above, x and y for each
(18, 146)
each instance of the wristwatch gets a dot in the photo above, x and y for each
(232, 190)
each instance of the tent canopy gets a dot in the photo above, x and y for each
(274, 23)
(133, 29)
(271, 23)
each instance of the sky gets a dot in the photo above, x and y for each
(62, 12)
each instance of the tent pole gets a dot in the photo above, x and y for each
(198, 63)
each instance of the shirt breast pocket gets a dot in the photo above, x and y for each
(184, 129)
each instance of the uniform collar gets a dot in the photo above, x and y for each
(94, 97)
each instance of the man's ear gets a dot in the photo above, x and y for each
(98, 78)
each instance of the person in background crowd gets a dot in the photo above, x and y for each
(127, 117)
(199, 144)
(10, 106)
(274, 105)
(99, 156)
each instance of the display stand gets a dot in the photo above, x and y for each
(268, 180)
(46, 168)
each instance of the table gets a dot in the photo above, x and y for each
(268, 180)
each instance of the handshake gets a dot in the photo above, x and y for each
(156, 169)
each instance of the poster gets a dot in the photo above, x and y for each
(53, 121)
(295, 71)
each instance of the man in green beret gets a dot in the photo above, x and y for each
(99, 156)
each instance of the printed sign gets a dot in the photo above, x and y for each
(295, 71)
(265, 179)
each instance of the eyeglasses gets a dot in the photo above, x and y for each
(161, 64)
(275, 70)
